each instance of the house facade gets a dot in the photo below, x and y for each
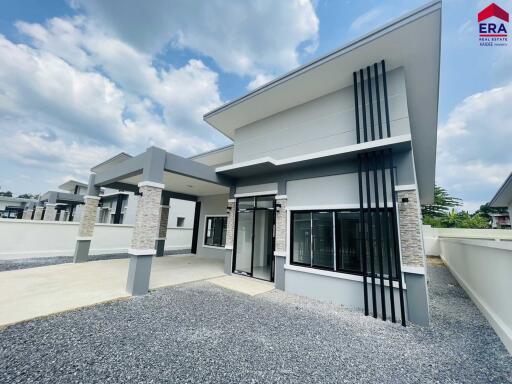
(320, 191)
(502, 199)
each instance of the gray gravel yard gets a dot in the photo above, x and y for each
(10, 265)
(200, 333)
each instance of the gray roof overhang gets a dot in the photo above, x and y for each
(503, 197)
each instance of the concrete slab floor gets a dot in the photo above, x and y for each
(247, 285)
(35, 292)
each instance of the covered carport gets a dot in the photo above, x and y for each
(156, 176)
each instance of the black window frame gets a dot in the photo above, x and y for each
(212, 218)
(336, 238)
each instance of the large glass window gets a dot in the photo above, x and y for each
(215, 231)
(331, 240)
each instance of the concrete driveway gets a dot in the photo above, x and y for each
(30, 293)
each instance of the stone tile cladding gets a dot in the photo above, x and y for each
(38, 213)
(27, 214)
(147, 219)
(88, 218)
(410, 229)
(50, 213)
(281, 221)
(230, 234)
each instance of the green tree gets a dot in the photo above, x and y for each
(6, 194)
(442, 203)
(28, 196)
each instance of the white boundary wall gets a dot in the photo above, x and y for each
(27, 238)
(481, 261)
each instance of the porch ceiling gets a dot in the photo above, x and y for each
(175, 182)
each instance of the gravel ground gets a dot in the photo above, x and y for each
(10, 265)
(200, 333)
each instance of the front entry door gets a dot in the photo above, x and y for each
(254, 253)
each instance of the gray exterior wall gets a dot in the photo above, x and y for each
(348, 293)
(211, 206)
(324, 123)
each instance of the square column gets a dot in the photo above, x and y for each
(280, 251)
(145, 232)
(50, 213)
(27, 214)
(38, 214)
(86, 228)
(413, 256)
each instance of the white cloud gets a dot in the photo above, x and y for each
(367, 20)
(474, 156)
(258, 81)
(245, 38)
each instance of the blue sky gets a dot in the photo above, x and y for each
(83, 80)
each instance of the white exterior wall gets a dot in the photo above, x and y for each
(181, 208)
(482, 268)
(27, 238)
(211, 206)
(324, 123)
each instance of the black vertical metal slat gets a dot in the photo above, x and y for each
(379, 238)
(370, 101)
(274, 233)
(363, 105)
(385, 90)
(356, 104)
(395, 238)
(362, 241)
(387, 254)
(377, 96)
(370, 233)
(253, 227)
(235, 238)
(195, 230)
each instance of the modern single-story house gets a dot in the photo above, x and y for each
(503, 199)
(13, 207)
(59, 205)
(320, 191)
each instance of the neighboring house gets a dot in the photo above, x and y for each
(500, 220)
(320, 192)
(13, 207)
(502, 199)
(115, 207)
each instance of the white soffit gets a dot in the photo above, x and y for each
(412, 42)
(504, 195)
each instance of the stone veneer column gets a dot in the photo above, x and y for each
(280, 252)
(413, 256)
(410, 229)
(86, 228)
(50, 213)
(27, 214)
(230, 237)
(38, 213)
(145, 233)
(162, 230)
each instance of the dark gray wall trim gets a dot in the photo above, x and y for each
(128, 168)
(187, 167)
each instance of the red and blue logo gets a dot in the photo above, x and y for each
(492, 25)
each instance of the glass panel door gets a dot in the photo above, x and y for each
(262, 257)
(244, 242)
(254, 253)
(323, 251)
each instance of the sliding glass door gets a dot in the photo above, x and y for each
(254, 237)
